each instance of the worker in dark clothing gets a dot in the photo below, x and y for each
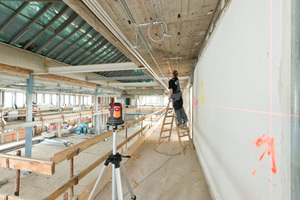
(176, 96)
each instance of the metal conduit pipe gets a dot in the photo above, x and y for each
(102, 15)
(129, 15)
(97, 9)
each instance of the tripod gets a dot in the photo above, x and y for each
(115, 159)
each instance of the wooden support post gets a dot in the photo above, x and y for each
(71, 176)
(17, 183)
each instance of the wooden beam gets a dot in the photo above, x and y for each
(7, 197)
(73, 181)
(10, 68)
(86, 192)
(68, 153)
(66, 79)
(27, 164)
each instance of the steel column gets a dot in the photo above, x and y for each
(295, 101)
(28, 137)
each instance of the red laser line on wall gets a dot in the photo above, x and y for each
(252, 111)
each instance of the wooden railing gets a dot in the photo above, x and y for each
(48, 167)
(71, 152)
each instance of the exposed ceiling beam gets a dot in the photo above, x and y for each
(81, 47)
(66, 79)
(94, 68)
(101, 43)
(41, 12)
(74, 43)
(46, 27)
(37, 0)
(62, 27)
(108, 49)
(121, 78)
(142, 84)
(67, 38)
(13, 16)
(95, 51)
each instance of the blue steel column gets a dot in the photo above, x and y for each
(295, 106)
(29, 94)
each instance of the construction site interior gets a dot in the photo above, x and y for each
(66, 64)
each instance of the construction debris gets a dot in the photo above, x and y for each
(57, 142)
(2, 182)
(199, 181)
(134, 184)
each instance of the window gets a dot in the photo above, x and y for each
(8, 99)
(47, 98)
(154, 99)
(54, 99)
(148, 100)
(20, 100)
(39, 99)
(77, 100)
(85, 101)
(89, 100)
(61, 100)
(67, 100)
(72, 100)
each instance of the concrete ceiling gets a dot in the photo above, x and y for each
(187, 22)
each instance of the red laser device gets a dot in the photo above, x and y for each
(115, 114)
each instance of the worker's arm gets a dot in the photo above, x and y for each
(171, 92)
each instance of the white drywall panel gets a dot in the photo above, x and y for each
(242, 84)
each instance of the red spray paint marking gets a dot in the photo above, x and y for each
(195, 103)
(270, 150)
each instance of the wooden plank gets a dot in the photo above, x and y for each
(66, 79)
(73, 181)
(68, 153)
(10, 68)
(107, 176)
(27, 164)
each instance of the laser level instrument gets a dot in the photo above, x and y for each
(115, 119)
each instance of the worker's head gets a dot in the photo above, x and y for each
(174, 74)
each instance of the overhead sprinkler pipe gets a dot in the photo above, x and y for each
(97, 9)
(139, 33)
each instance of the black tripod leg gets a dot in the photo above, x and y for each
(133, 197)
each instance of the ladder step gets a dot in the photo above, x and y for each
(168, 123)
(169, 116)
(170, 108)
(166, 130)
(184, 135)
(164, 137)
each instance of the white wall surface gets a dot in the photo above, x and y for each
(235, 71)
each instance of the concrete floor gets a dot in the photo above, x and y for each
(162, 173)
